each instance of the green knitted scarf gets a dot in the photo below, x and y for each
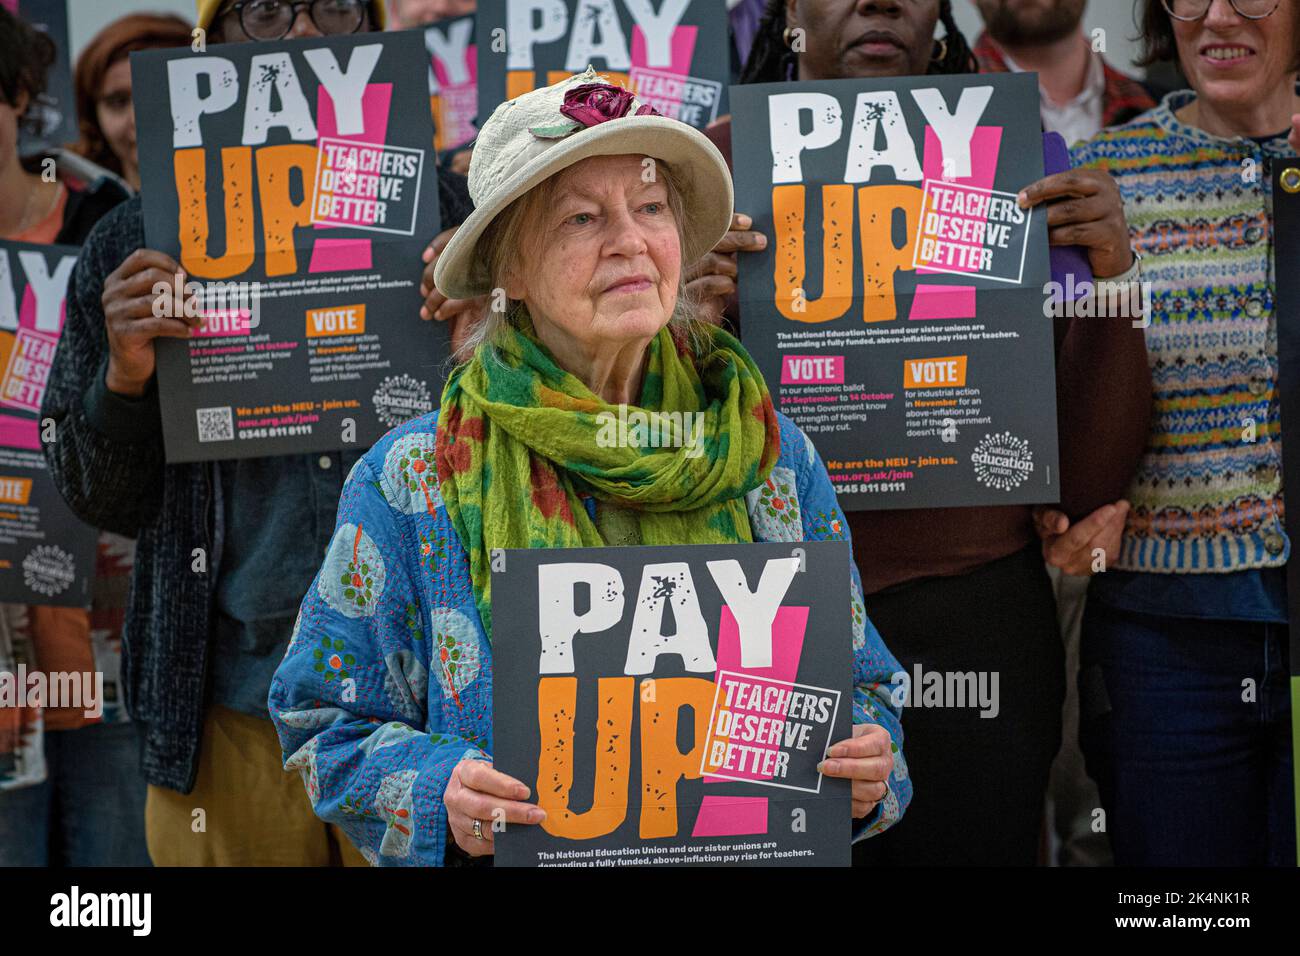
(521, 442)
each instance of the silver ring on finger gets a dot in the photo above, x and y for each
(478, 830)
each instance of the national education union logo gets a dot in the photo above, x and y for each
(49, 570)
(399, 398)
(1002, 461)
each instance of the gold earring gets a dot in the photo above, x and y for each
(786, 36)
(943, 50)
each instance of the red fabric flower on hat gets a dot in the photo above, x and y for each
(593, 103)
(590, 105)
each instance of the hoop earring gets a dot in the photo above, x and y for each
(785, 37)
(942, 55)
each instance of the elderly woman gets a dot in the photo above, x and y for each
(587, 206)
(1186, 715)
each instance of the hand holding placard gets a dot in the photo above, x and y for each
(1090, 214)
(132, 321)
(461, 314)
(712, 279)
(477, 792)
(867, 759)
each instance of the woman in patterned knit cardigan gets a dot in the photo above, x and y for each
(1194, 763)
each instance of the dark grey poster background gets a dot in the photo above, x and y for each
(47, 555)
(58, 106)
(1286, 222)
(1015, 376)
(416, 351)
(826, 661)
(710, 60)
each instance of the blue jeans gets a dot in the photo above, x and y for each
(1194, 768)
(90, 809)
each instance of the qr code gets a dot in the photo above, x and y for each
(216, 424)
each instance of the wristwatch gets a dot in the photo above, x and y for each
(1132, 274)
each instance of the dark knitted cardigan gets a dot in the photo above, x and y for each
(107, 460)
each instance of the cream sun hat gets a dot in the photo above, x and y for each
(528, 139)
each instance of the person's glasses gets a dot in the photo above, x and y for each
(273, 19)
(1190, 10)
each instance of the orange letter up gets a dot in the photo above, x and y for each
(557, 704)
(192, 202)
(280, 214)
(880, 257)
(662, 764)
(837, 253)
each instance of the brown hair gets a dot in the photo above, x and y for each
(139, 31)
(26, 55)
(1157, 34)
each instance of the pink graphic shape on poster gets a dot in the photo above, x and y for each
(812, 370)
(943, 302)
(736, 816)
(26, 373)
(682, 53)
(339, 255)
(18, 432)
(459, 100)
(731, 816)
(936, 300)
(222, 322)
(444, 76)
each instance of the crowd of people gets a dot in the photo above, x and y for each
(1121, 683)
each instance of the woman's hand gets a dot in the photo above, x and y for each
(867, 759)
(460, 313)
(1091, 215)
(712, 279)
(1071, 547)
(132, 319)
(476, 792)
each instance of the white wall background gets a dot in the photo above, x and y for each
(87, 17)
(1116, 17)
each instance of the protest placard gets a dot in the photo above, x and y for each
(670, 706)
(453, 81)
(898, 311)
(295, 183)
(671, 54)
(47, 555)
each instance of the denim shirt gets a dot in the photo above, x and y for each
(279, 517)
(1252, 595)
(394, 601)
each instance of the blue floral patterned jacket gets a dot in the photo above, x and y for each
(358, 715)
